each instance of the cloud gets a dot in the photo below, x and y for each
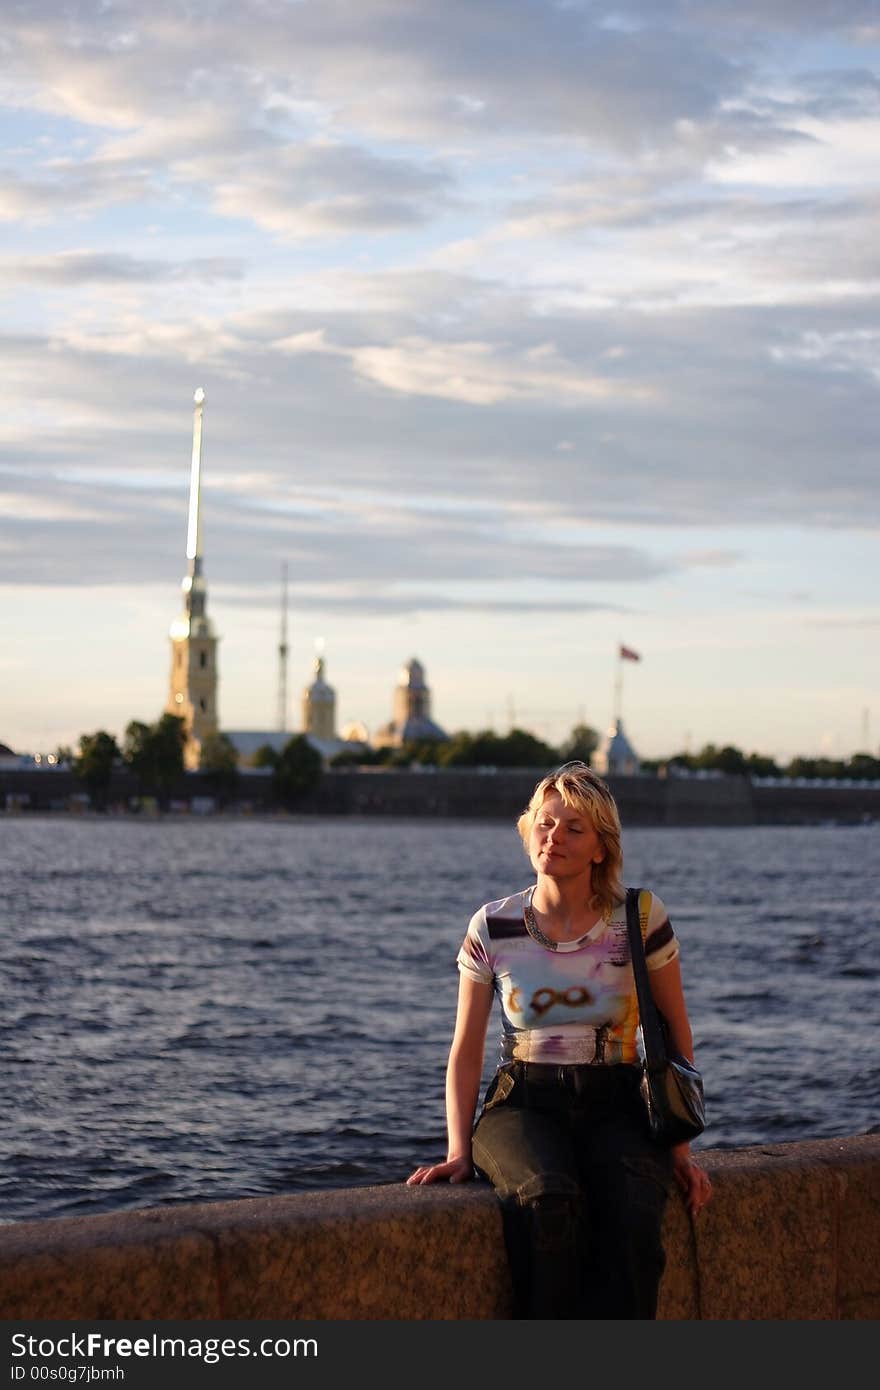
(842, 351)
(772, 16)
(18, 508)
(295, 190)
(869, 621)
(711, 559)
(325, 188)
(71, 268)
(475, 373)
(363, 543)
(675, 416)
(830, 154)
(569, 312)
(326, 119)
(372, 602)
(66, 192)
(398, 70)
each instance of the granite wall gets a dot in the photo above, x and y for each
(791, 1234)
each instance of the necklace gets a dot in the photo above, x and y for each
(532, 926)
(535, 931)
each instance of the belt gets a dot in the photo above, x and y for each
(575, 1076)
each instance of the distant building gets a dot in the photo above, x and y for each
(319, 705)
(411, 720)
(192, 692)
(246, 743)
(615, 756)
(356, 732)
(318, 726)
(8, 758)
(30, 762)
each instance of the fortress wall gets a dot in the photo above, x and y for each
(720, 801)
(797, 804)
(791, 1234)
(468, 792)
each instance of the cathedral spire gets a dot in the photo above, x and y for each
(193, 688)
(194, 530)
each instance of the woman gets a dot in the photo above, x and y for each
(562, 1134)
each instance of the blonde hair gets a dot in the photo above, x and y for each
(582, 790)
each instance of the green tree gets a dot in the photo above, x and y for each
(94, 763)
(761, 766)
(863, 766)
(581, 743)
(653, 765)
(457, 751)
(219, 758)
(522, 749)
(137, 752)
(297, 771)
(815, 768)
(519, 748)
(686, 761)
(705, 759)
(471, 750)
(731, 760)
(154, 752)
(361, 757)
(265, 756)
(423, 751)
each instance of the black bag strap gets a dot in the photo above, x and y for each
(652, 1032)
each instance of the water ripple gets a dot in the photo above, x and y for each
(210, 1010)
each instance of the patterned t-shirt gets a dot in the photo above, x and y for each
(576, 1003)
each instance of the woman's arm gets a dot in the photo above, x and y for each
(668, 995)
(463, 1072)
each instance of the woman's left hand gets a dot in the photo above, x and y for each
(691, 1178)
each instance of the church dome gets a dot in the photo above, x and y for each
(616, 756)
(413, 675)
(319, 705)
(356, 732)
(319, 692)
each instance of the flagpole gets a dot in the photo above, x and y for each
(618, 687)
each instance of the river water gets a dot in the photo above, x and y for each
(197, 1009)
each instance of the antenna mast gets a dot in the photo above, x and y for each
(282, 656)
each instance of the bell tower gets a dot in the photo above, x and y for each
(192, 691)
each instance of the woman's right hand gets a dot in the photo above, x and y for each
(453, 1170)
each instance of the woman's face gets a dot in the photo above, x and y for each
(563, 842)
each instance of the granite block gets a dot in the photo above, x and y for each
(133, 1265)
(767, 1243)
(380, 1253)
(859, 1231)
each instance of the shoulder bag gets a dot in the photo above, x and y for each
(671, 1087)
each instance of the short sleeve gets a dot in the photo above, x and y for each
(661, 943)
(473, 957)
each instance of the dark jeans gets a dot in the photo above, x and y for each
(582, 1189)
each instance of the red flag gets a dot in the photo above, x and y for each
(627, 654)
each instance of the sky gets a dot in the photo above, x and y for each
(526, 329)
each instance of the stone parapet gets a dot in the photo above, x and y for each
(791, 1234)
